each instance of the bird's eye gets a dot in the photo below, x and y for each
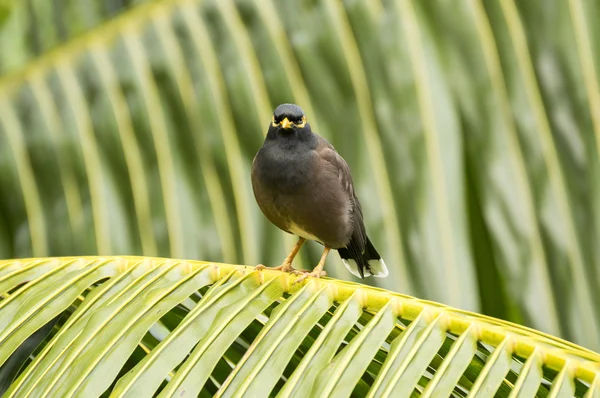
(299, 121)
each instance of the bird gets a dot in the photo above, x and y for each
(304, 187)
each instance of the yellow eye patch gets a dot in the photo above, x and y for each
(302, 123)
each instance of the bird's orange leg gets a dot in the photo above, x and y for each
(286, 266)
(317, 272)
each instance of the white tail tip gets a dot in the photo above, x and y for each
(377, 268)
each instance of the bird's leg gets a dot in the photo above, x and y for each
(317, 272)
(286, 266)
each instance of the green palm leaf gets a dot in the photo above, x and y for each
(247, 332)
(472, 132)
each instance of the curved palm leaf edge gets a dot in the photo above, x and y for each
(139, 326)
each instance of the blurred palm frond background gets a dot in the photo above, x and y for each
(472, 130)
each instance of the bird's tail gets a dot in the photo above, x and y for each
(367, 263)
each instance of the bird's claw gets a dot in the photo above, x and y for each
(283, 267)
(299, 271)
(312, 274)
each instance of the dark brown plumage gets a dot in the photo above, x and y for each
(304, 187)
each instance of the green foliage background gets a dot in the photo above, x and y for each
(472, 129)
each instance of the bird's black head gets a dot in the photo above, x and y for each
(288, 116)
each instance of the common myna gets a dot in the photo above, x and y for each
(304, 187)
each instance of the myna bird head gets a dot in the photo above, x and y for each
(288, 116)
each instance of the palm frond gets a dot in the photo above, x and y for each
(134, 326)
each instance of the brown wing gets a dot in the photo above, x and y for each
(328, 153)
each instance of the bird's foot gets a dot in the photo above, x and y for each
(306, 274)
(285, 267)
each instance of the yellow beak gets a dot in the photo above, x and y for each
(286, 124)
